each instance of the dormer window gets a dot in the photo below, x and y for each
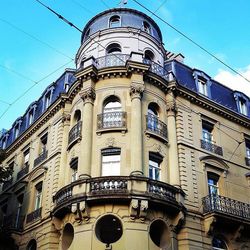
(242, 103)
(47, 101)
(4, 142)
(146, 27)
(66, 87)
(17, 128)
(203, 83)
(47, 98)
(242, 106)
(114, 22)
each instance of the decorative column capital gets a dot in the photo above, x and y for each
(171, 107)
(136, 90)
(66, 118)
(88, 95)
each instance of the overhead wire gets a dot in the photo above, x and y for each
(192, 41)
(83, 7)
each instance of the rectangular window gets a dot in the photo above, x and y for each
(248, 149)
(47, 100)
(154, 166)
(38, 195)
(213, 187)
(74, 169)
(111, 159)
(207, 129)
(16, 131)
(26, 157)
(242, 107)
(202, 87)
(4, 143)
(31, 117)
(44, 141)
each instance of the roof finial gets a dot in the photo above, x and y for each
(123, 2)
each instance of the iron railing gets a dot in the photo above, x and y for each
(43, 156)
(111, 60)
(23, 172)
(75, 132)
(7, 184)
(111, 120)
(225, 205)
(13, 222)
(34, 215)
(62, 195)
(157, 69)
(209, 146)
(156, 126)
(247, 161)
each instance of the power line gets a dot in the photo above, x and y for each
(105, 4)
(32, 86)
(83, 7)
(192, 41)
(34, 38)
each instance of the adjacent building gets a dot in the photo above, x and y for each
(131, 150)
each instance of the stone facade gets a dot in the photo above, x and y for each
(132, 155)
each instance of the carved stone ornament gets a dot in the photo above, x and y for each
(110, 142)
(66, 118)
(143, 209)
(171, 107)
(133, 208)
(88, 95)
(136, 90)
(209, 225)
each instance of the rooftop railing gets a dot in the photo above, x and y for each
(209, 146)
(226, 206)
(111, 60)
(75, 132)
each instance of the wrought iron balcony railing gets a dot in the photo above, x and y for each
(43, 156)
(156, 126)
(111, 60)
(247, 161)
(117, 188)
(157, 69)
(75, 132)
(34, 215)
(209, 146)
(23, 172)
(7, 184)
(111, 120)
(227, 206)
(13, 222)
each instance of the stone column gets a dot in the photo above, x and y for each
(136, 90)
(174, 174)
(88, 97)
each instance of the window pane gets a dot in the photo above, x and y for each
(110, 165)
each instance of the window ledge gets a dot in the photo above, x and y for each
(107, 130)
(78, 139)
(156, 135)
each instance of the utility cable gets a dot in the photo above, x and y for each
(34, 38)
(106, 5)
(32, 86)
(192, 41)
(83, 7)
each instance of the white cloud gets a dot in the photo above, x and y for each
(234, 81)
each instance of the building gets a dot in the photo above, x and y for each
(132, 150)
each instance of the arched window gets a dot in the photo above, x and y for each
(113, 48)
(112, 115)
(149, 55)
(218, 244)
(152, 117)
(77, 116)
(32, 245)
(114, 22)
(146, 27)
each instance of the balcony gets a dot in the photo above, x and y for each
(23, 172)
(7, 184)
(111, 60)
(34, 215)
(13, 222)
(156, 127)
(42, 157)
(75, 133)
(209, 146)
(112, 121)
(226, 207)
(117, 189)
(247, 161)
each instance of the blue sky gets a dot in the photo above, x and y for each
(219, 26)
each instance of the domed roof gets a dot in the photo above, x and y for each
(128, 18)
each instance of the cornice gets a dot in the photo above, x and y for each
(213, 106)
(51, 111)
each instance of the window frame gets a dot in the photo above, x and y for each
(241, 99)
(202, 82)
(38, 195)
(207, 129)
(118, 22)
(74, 169)
(146, 27)
(113, 46)
(155, 158)
(110, 152)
